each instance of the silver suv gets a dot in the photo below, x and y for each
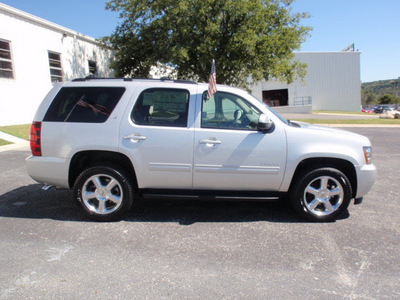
(113, 140)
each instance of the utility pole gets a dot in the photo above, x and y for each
(396, 82)
(397, 93)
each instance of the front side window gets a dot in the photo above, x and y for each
(6, 65)
(162, 107)
(56, 73)
(84, 104)
(228, 111)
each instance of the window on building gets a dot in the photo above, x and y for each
(92, 67)
(56, 73)
(6, 65)
(276, 97)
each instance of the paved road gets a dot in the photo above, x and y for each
(199, 250)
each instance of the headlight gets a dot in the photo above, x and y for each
(367, 154)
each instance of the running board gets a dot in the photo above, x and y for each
(207, 195)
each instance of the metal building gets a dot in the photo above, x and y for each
(332, 83)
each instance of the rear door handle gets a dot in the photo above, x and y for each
(135, 137)
(211, 141)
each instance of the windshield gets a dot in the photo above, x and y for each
(272, 110)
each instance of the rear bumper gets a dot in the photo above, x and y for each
(366, 177)
(48, 170)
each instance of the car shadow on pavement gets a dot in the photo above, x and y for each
(34, 203)
(188, 212)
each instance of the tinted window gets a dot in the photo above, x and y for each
(84, 104)
(162, 107)
(228, 111)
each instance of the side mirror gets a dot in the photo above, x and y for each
(264, 123)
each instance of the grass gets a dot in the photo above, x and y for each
(361, 121)
(342, 112)
(21, 131)
(3, 142)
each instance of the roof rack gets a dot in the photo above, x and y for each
(88, 78)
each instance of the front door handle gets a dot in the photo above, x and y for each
(135, 137)
(211, 141)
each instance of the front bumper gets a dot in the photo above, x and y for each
(366, 177)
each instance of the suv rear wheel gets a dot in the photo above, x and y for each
(321, 195)
(104, 192)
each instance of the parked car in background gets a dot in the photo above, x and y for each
(368, 111)
(381, 108)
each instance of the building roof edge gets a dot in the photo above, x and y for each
(46, 23)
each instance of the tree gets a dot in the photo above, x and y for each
(387, 99)
(247, 38)
(367, 97)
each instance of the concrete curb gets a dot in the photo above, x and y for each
(24, 146)
(374, 116)
(18, 144)
(10, 138)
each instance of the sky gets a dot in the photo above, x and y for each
(372, 25)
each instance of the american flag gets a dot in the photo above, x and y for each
(96, 108)
(212, 86)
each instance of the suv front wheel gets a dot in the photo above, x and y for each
(321, 195)
(104, 192)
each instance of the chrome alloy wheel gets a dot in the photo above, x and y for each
(323, 196)
(102, 194)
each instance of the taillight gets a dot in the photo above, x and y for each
(35, 139)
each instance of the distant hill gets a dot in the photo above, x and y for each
(382, 87)
(372, 91)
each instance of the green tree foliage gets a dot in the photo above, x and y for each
(245, 37)
(387, 99)
(371, 92)
(367, 97)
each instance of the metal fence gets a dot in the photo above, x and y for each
(301, 101)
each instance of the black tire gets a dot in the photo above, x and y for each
(104, 192)
(321, 195)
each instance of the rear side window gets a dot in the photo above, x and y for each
(84, 104)
(162, 107)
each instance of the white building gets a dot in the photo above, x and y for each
(34, 53)
(332, 83)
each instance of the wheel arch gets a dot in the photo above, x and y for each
(342, 165)
(85, 159)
